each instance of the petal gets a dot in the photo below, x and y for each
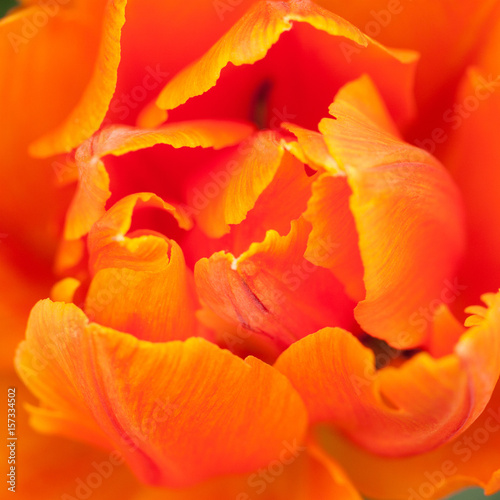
(44, 68)
(408, 217)
(472, 141)
(287, 194)
(92, 106)
(254, 34)
(470, 460)
(238, 183)
(232, 198)
(64, 290)
(108, 245)
(397, 411)
(148, 270)
(271, 290)
(98, 383)
(21, 284)
(74, 469)
(93, 189)
(300, 474)
(395, 25)
(328, 211)
(446, 332)
(150, 43)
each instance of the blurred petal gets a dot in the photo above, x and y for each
(21, 285)
(470, 460)
(472, 155)
(397, 411)
(45, 68)
(397, 24)
(91, 109)
(446, 332)
(64, 290)
(300, 474)
(55, 467)
(98, 385)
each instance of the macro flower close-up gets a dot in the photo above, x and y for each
(249, 249)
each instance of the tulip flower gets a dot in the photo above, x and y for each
(253, 239)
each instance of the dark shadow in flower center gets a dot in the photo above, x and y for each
(386, 355)
(259, 110)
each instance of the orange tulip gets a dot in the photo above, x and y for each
(257, 272)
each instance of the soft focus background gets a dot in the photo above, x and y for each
(472, 494)
(5, 5)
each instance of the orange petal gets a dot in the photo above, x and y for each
(328, 211)
(108, 245)
(234, 195)
(93, 189)
(446, 332)
(148, 61)
(287, 194)
(254, 34)
(393, 24)
(302, 473)
(394, 411)
(98, 383)
(91, 109)
(64, 290)
(148, 269)
(408, 217)
(21, 285)
(238, 183)
(55, 467)
(271, 290)
(469, 460)
(45, 63)
(472, 141)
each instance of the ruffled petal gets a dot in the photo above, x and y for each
(148, 269)
(250, 39)
(397, 411)
(93, 188)
(150, 43)
(238, 182)
(271, 290)
(408, 217)
(164, 406)
(469, 460)
(330, 216)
